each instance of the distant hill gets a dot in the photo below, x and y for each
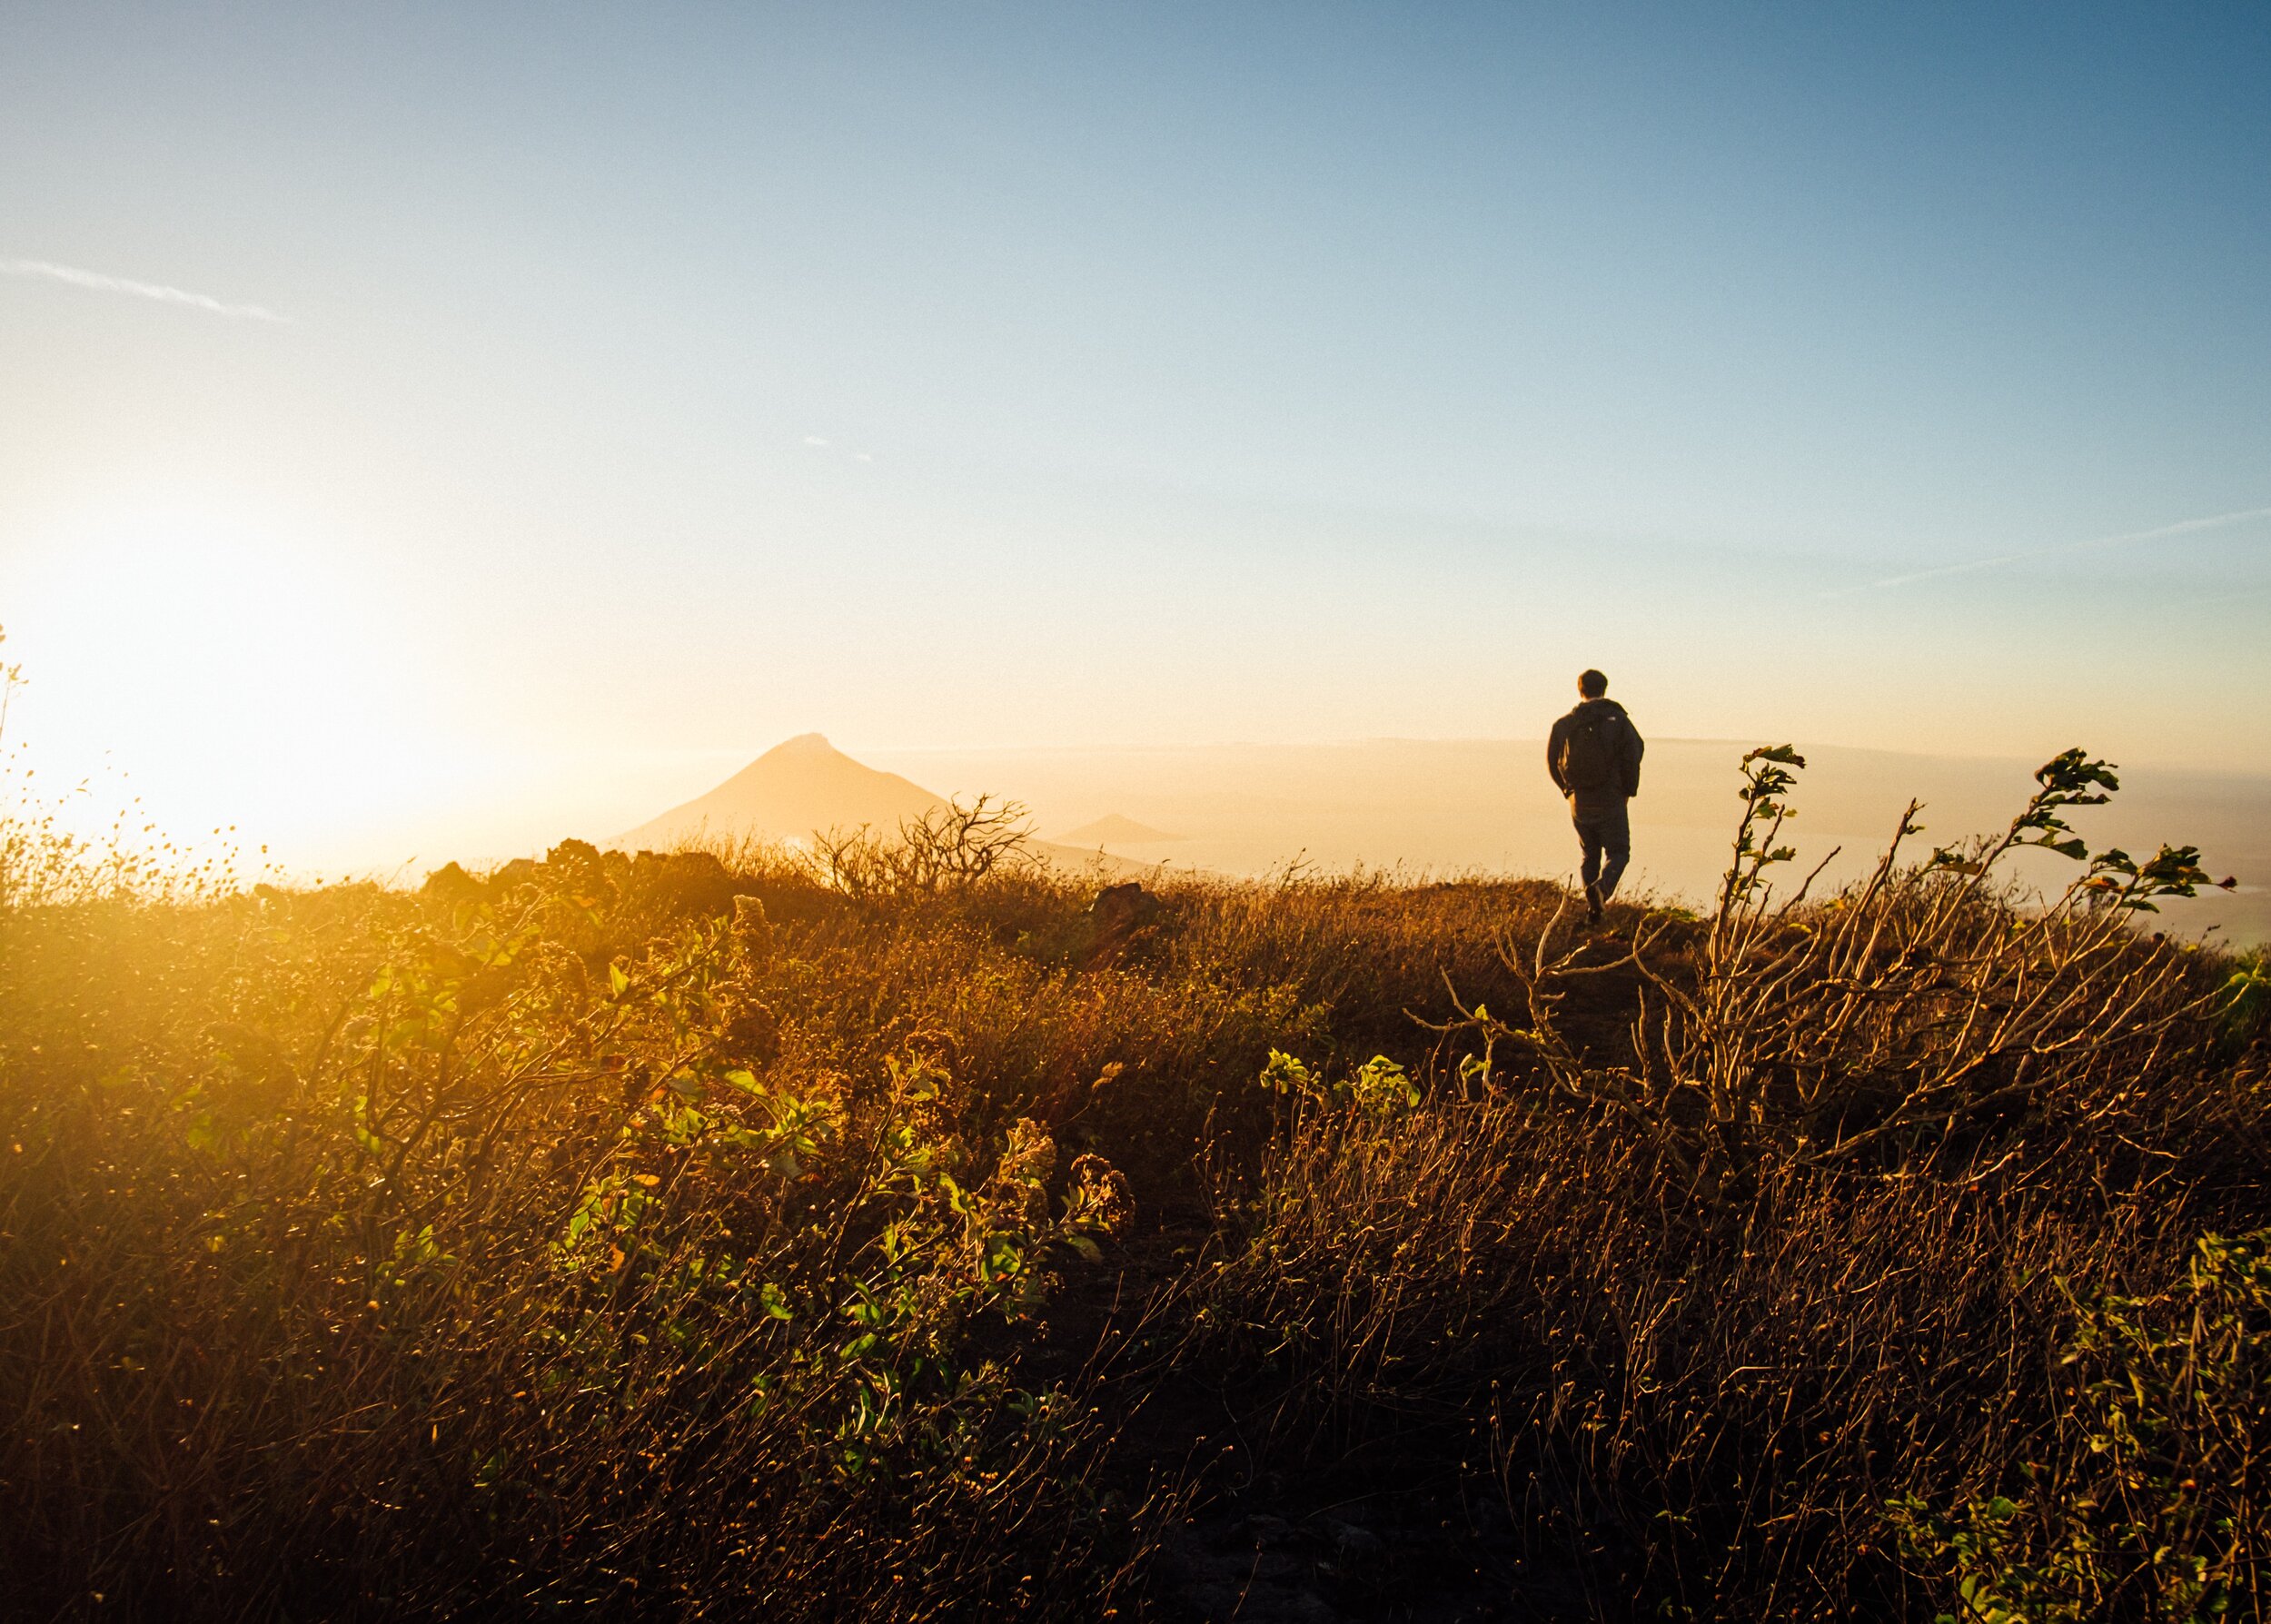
(1116, 830)
(789, 793)
(807, 785)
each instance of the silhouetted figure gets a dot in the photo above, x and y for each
(1594, 755)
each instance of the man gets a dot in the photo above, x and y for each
(1594, 755)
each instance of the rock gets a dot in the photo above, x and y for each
(1353, 1543)
(1267, 1529)
(450, 884)
(1116, 914)
(1124, 908)
(684, 882)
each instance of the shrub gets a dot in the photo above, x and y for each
(2151, 1504)
(848, 1236)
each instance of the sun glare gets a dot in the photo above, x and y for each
(218, 671)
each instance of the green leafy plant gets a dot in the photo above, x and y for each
(1380, 1087)
(2154, 1507)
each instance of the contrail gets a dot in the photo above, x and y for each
(139, 290)
(2214, 521)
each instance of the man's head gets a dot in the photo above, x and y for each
(1592, 685)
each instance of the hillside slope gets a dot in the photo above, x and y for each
(1116, 830)
(793, 790)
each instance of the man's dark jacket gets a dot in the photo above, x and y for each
(1625, 746)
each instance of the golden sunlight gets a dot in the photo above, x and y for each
(221, 668)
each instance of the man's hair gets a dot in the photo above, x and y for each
(1591, 684)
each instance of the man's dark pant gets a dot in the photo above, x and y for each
(1602, 830)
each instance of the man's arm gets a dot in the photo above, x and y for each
(1554, 754)
(1633, 751)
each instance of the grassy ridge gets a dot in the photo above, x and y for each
(883, 1235)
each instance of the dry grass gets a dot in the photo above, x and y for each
(707, 1235)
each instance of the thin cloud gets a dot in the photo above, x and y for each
(813, 439)
(42, 269)
(2214, 522)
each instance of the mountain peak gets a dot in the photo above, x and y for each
(804, 744)
(800, 786)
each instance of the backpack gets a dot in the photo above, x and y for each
(1592, 755)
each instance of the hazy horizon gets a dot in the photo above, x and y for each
(1418, 809)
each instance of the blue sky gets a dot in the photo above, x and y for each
(655, 384)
